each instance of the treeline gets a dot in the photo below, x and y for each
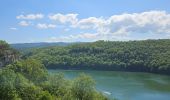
(141, 56)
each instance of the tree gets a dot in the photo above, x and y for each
(83, 87)
(7, 85)
(57, 85)
(32, 69)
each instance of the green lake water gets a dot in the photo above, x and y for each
(127, 85)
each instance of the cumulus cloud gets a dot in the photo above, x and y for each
(155, 22)
(45, 26)
(145, 22)
(91, 22)
(119, 27)
(24, 23)
(113, 27)
(30, 16)
(68, 18)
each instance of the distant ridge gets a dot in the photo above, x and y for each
(22, 46)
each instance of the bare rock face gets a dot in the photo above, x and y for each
(7, 55)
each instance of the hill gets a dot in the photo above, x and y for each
(23, 46)
(139, 56)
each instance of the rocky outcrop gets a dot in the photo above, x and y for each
(7, 55)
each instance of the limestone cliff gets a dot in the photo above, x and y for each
(7, 54)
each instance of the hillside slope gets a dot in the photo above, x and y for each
(141, 56)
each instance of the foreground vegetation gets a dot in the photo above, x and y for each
(29, 80)
(140, 56)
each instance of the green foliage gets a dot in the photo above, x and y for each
(16, 84)
(3, 45)
(7, 85)
(32, 69)
(46, 96)
(56, 85)
(144, 56)
(83, 88)
(29, 80)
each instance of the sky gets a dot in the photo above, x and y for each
(26, 21)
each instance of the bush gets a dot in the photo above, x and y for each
(83, 88)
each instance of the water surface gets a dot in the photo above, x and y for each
(127, 85)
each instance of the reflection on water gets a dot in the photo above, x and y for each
(127, 85)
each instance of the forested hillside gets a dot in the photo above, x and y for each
(29, 80)
(141, 56)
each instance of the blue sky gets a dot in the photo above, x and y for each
(25, 21)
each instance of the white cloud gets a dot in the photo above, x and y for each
(72, 38)
(155, 22)
(45, 26)
(30, 16)
(146, 22)
(87, 37)
(13, 28)
(113, 27)
(68, 18)
(24, 23)
(91, 22)
(84, 35)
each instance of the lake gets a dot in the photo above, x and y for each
(127, 85)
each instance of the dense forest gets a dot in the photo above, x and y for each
(28, 79)
(140, 56)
